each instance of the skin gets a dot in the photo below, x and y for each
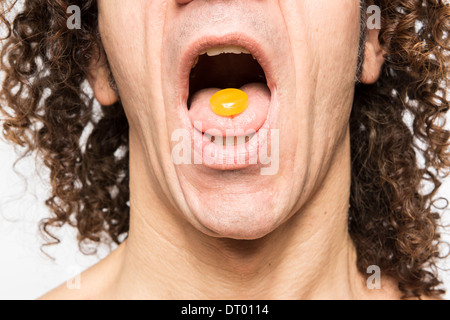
(198, 233)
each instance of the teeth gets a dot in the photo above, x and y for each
(215, 51)
(228, 49)
(229, 141)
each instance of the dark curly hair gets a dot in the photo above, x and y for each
(398, 136)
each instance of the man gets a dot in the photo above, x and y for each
(323, 185)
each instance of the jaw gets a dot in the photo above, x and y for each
(310, 101)
(230, 199)
(307, 105)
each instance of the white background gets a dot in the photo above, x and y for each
(25, 272)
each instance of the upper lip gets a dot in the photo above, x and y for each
(201, 44)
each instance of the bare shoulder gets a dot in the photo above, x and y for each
(389, 290)
(81, 287)
(92, 284)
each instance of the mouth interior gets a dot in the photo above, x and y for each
(226, 70)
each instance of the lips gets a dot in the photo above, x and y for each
(229, 61)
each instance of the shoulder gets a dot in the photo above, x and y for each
(81, 287)
(92, 284)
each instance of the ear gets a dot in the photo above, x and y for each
(373, 58)
(99, 79)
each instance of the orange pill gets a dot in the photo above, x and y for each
(229, 102)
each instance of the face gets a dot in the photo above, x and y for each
(295, 59)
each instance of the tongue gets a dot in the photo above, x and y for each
(252, 119)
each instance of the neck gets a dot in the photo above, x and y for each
(311, 256)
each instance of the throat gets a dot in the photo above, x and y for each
(282, 265)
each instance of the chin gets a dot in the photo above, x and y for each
(245, 217)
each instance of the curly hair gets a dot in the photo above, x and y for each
(398, 135)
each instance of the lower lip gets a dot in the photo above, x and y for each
(234, 157)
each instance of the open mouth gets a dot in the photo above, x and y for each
(228, 67)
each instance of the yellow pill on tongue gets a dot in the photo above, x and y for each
(229, 102)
